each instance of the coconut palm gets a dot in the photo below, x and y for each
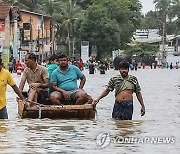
(176, 7)
(163, 7)
(70, 12)
(31, 5)
(13, 2)
(52, 8)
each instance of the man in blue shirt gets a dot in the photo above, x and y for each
(64, 82)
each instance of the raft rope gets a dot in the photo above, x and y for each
(40, 111)
(94, 108)
(96, 114)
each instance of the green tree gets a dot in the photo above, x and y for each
(163, 8)
(164, 11)
(69, 13)
(31, 5)
(149, 21)
(176, 7)
(142, 52)
(109, 24)
(98, 29)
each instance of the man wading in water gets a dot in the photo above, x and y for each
(124, 86)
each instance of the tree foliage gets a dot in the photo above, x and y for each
(142, 52)
(109, 24)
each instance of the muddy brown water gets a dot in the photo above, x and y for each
(156, 132)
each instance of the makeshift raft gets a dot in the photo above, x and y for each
(27, 110)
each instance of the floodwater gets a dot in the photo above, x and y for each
(156, 132)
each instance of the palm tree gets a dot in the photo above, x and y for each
(31, 5)
(70, 13)
(52, 8)
(176, 7)
(163, 7)
(12, 2)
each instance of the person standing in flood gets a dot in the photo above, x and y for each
(80, 64)
(171, 66)
(124, 86)
(91, 68)
(6, 79)
(10, 66)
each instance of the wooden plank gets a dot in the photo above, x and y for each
(64, 107)
(85, 111)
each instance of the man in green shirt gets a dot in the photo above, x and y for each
(53, 64)
(124, 86)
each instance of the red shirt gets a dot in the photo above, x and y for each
(18, 64)
(80, 64)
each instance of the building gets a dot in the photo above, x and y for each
(146, 33)
(6, 26)
(23, 31)
(35, 32)
(172, 46)
(173, 50)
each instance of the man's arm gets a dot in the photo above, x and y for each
(45, 84)
(40, 85)
(17, 91)
(82, 82)
(65, 94)
(21, 85)
(45, 77)
(104, 94)
(140, 99)
(55, 88)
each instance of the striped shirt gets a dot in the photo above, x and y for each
(117, 83)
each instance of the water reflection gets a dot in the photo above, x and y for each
(4, 142)
(3, 126)
(161, 95)
(128, 128)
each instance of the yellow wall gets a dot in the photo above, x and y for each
(26, 16)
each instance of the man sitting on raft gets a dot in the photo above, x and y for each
(37, 78)
(64, 82)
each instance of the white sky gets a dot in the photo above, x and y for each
(147, 6)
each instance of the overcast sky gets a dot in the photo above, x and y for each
(147, 6)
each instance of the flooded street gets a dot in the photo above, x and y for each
(103, 135)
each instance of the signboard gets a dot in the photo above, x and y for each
(22, 55)
(32, 47)
(147, 33)
(85, 50)
(5, 56)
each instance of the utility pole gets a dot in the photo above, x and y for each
(15, 41)
(38, 49)
(163, 47)
(31, 39)
(6, 47)
(42, 27)
(51, 37)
